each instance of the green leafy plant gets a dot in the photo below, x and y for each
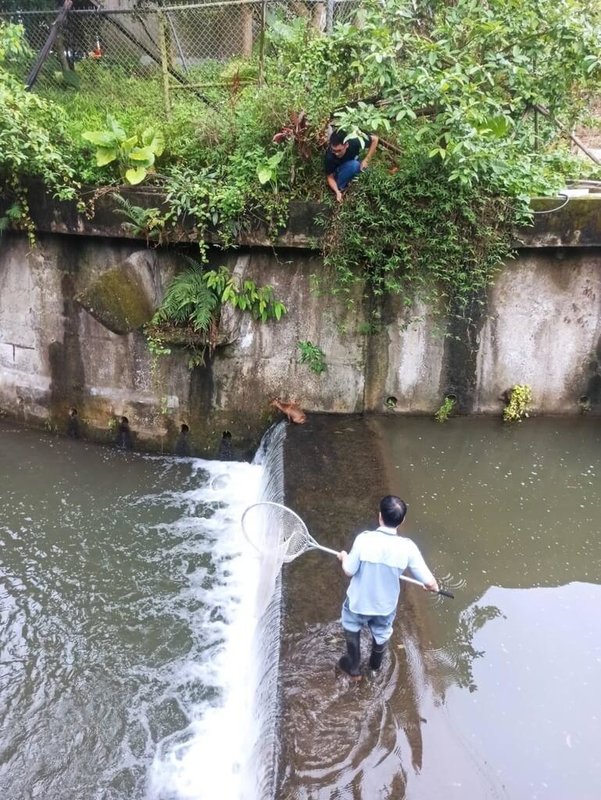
(189, 301)
(149, 222)
(267, 172)
(189, 313)
(259, 301)
(519, 399)
(135, 154)
(33, 141)
(13, 46)
(446, 409)
(313, 356)
(413, 233)
(156, 344)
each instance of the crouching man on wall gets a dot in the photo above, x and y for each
(342, 162)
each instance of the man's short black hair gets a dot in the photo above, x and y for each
(338, 136)
(393, 510)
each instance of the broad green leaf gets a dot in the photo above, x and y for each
(105, 155)
(100, 138)
(116, 127)
(128, 144)
(136, 175)
(142, 154)
(497, 126)
(154, 140)
(264, 174)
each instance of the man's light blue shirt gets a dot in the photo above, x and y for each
(376, 562)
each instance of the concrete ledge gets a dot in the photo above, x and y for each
(106, 219)
(576, 223)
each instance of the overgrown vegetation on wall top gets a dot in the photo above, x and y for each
(471, 99)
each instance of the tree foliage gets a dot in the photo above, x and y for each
(32, 133)
(473, 100)
(462, 81)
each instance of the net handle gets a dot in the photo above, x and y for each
(442, 592)
(314, 544)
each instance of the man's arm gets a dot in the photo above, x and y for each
(350, 561)
(341, 556)
(331, 181)
(420, 569)
(372, 149)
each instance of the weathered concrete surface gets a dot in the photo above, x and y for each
(264, 360)
(55, 353)
(575, 223)
(543, 328)
(540, 324)
(104, 217)
(125, 297)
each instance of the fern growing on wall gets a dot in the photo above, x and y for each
(189, 301)
(189, 313)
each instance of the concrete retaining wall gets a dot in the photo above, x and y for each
(540, 325)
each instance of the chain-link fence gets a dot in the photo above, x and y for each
(180, 46)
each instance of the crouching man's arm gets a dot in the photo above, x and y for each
(331, 181)
(372, 149)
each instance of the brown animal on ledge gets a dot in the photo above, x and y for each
(292, 410)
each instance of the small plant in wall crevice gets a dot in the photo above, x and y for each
(313, 356)
(518, 402)
(189, 313)
(446, 409)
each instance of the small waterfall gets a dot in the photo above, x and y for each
(267, 640)
(229, 747)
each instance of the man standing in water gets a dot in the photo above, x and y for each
(376, 562)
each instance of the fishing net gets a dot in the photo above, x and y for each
(278, 535)
(276, 532)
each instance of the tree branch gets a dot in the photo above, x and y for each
(546, 113)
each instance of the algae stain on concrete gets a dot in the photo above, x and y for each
(118, 301)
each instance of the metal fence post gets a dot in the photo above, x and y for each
(329, 16)
(262, 42)
(165, 63)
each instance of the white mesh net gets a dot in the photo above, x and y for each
(276, 532)
(279, 536)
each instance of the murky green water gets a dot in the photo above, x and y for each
(121, 575)
(125, 611)
(493, 694)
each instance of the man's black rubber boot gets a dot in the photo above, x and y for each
(350, 663)
(377, 654)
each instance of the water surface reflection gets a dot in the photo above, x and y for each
(493, 695)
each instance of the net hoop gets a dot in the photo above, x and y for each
(285, 535)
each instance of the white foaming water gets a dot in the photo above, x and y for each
(219, 753)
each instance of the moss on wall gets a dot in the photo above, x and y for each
(118, 301)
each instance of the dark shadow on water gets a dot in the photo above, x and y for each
(342, 739)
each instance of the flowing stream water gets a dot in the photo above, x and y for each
(493, 695)
(132, 663)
